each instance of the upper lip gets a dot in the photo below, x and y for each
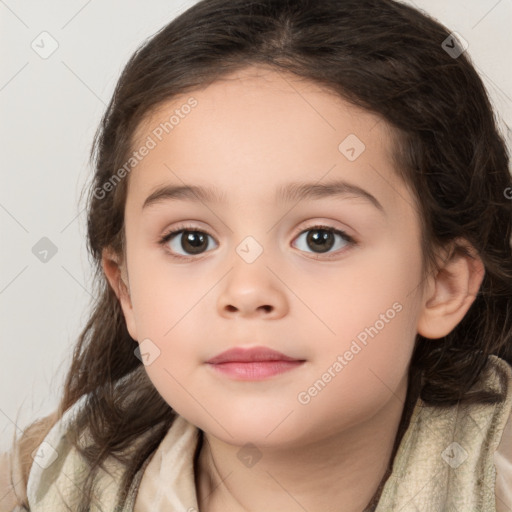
(244, 355)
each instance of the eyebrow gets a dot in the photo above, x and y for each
(285, 193)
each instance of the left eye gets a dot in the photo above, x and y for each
(322, 238)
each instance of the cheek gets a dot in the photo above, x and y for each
(358, 375)
(372, 316)
(163, 294)
(172, 379)
(166, 302)
(376, 287)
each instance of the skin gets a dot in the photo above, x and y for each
(250, 133)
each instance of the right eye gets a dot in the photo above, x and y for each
(192, 240)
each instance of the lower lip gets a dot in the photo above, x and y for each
(256, 370)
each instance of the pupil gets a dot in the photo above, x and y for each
(194, 240)
(318, 237)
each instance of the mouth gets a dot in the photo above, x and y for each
(253, 364)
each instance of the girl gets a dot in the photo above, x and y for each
(301, 223)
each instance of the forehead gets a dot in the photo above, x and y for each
(258, 128)
(260, 89)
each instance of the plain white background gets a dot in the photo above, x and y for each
(49, 110)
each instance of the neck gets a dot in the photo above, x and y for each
(347, 469)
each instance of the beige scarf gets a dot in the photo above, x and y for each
(445, 462)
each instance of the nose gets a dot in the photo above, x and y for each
(252, 290)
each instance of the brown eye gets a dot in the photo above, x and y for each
(194, 242)
(187, 241)
(321, 239)
(191, 241)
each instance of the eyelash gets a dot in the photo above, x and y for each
(187, 227)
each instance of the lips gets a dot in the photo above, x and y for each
(240, 355)
(253, 364)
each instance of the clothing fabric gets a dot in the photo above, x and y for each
(456, 458)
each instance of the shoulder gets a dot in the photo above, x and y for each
(448, 453)
(58, 470)
(23, 463)
(15, 464)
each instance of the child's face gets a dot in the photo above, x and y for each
(350, 313)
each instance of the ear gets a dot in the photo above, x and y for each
(117, 275)
(451, 293)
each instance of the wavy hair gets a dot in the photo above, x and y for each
(380, 55)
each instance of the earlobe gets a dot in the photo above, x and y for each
(117, 276)
(455, 288)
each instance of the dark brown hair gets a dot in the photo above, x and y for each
(380, 55)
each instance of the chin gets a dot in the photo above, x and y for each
(264, 431)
